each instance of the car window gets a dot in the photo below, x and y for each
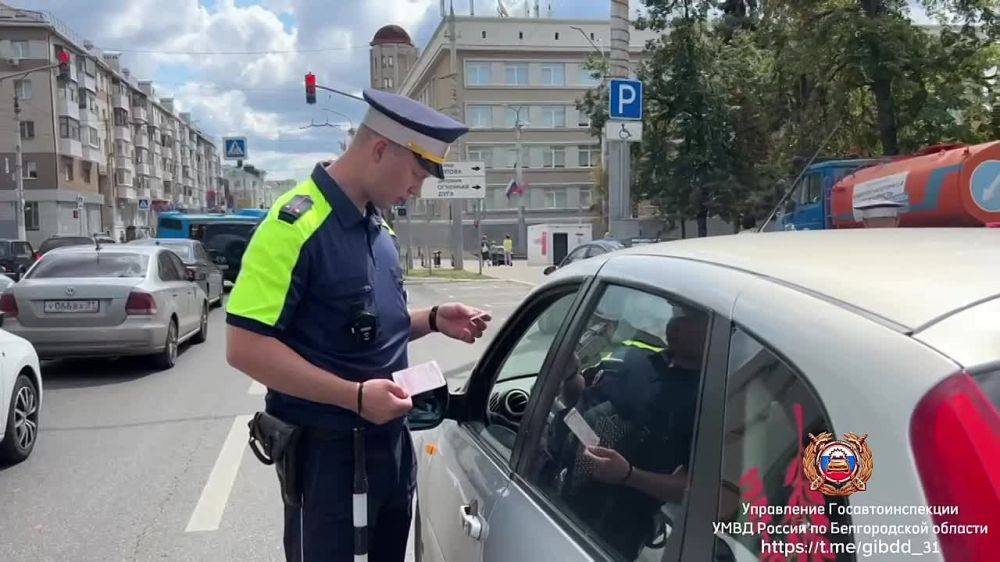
(90, 264)
(167, 271)
(576, 254)
(5, 249)
(811, 189)
(628, 399)
(53, 243)
(179, 268)
(200, 253)
(22, 249)
(182, 250)
(509, 396)
(989, 383)
(770, 413)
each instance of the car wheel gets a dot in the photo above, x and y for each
(202, 334)
(168, 357)
(22, 422)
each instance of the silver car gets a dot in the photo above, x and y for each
(195, 258)
(682, 401)
(114, 301)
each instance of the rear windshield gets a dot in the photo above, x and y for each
(183, 250)
(53, 243)
(90, 264)
(990, 385)
(5, 250)
(219, 236)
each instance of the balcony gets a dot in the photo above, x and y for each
(140, 140)
(89, 82)
(156, 193)
(155, 170)
(124, 163)
(142, 168)
(123, 133)
(93, 154)
(139, 114)
(120, 101)
(90, 117)
(143, 193)
(70, 147)
(67, 107)
(126, 192)
(167, 174)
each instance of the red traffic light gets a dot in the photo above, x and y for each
(63, 57)
(310, 88)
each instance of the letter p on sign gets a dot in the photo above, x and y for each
(625, 100)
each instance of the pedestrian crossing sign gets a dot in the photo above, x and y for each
(235, 148)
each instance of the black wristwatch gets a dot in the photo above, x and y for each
(432, 319)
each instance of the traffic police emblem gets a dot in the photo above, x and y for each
(295, 208)
(838, 468)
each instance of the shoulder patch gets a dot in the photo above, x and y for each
(295, 208)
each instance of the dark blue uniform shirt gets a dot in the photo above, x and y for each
(345, 262)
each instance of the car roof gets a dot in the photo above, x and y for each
(912, 277)
(165, 241)
(109, 249)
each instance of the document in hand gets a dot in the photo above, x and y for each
(581, 428)
(420, 378)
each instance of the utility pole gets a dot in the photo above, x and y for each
(620, 221)
(18, 172)
(457, 238)
(522, 226)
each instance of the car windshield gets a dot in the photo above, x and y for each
(53, 243)
(90, 264)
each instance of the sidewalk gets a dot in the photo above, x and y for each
(520, 272)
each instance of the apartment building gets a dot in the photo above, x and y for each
(509, 70)
(101, 153)
(247, 188)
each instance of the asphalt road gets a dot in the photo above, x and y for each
(133, 464)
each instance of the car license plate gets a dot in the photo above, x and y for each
(71, 306)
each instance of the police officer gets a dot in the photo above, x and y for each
(319, 316)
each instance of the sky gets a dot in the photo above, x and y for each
(187, 48)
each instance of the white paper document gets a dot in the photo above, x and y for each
(420, 378)
(581, 428)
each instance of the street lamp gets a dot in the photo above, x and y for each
(351, 131)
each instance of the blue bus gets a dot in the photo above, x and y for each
(224, 236)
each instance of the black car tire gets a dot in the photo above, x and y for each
(167, 358)
(11, 451)
(202, 335)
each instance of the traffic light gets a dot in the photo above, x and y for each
(310, 88)
(63, 57)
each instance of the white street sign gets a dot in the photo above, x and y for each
(462, 180)
(626, 131)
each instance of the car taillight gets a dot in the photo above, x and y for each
(8, 305)
(955, 436)
(140, 303)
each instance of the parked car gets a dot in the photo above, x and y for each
(120, 300)
(584, 251)
(54, 242)
(20, 398)
(704, 370)
(195, 258)
(16, 256)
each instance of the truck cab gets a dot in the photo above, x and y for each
(809, 206)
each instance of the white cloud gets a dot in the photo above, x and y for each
(283, 165)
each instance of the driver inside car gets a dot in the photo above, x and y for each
(640, 401)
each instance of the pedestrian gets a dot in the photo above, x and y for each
(484, 251)
(319, 316)
(879, 213)
(508, 250)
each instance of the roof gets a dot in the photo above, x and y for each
(106, 249)
(391, 34)
(911, 277)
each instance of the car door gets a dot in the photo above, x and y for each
(173, 290)
(24, 256)
(212, 271)
(190, 292)
(464, 467)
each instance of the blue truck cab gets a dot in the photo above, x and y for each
(809, 206)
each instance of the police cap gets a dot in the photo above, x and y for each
(413, 125)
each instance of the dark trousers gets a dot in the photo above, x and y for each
(322, 528)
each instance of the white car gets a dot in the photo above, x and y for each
(20, 398)
(702, 369)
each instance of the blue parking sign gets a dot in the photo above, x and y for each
(626, 99)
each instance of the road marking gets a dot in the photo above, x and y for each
(208, 513)
(257, 389)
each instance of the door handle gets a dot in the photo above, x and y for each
(472, 523)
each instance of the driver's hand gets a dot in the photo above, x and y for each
(609, 466)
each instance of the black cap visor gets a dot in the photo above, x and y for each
(433, 168)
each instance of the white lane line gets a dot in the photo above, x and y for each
(208, 513)
(257, 389)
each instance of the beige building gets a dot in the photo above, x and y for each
(247, 187)
(100, 151)
(509, 70)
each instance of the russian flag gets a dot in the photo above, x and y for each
(514, 188)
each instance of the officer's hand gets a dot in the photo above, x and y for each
(383, 401)
(462, 322)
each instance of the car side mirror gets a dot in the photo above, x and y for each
(429, 409)
(548, 270)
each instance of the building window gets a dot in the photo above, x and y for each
(30, 170)
(554, 116)
(31, 215)
(555, 198)
(383, 61)
(586, 198)
(95, 138)
(387, 83)
(390, 61)
(516, 74)
(520, 35)
(515, 112)
(27, 130)
(67, 166)
(123, 177)
(484, 155)
(480, 116)
(69, 128)
(557, 36)
(554, 74)
(484, 34)
(588, 79)
(81, 64)
(22, 89)
(478, 73)
(121, 117)
(554, 157)
(85, 169)
(20, 49)
(81, 96)
(590, 155)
